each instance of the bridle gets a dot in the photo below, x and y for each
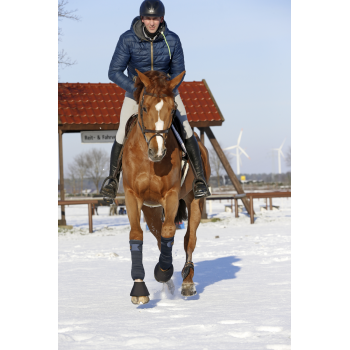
(155, 132)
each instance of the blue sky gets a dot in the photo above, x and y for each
(242, 49)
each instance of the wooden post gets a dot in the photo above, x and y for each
(231, 205)
(236, 208)
(62, 197)
(251, 211)
(271, 203)
(227, 166)
(204, 210)
(266, 204)
(90, 217)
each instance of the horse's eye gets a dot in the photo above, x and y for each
(144, 109)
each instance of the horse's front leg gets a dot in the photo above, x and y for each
(139, 293)
(164, 269)
(194, 208)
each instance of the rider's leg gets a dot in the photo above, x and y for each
(128, 109)
(200, 187)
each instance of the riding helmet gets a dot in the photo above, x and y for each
(152, 9)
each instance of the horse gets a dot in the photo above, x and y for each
(151, 166)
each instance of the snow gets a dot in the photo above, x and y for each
(242, 280)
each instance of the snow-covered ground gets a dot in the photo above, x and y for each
(242, 279)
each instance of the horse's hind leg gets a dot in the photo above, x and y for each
(194, 208)
(139, 293)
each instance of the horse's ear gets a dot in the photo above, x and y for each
(176, 80)
(143, 78)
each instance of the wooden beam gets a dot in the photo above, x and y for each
(60, 150)
(227, 166)
(90, 217)
(251, 210)
(68, 128)
(87, 127)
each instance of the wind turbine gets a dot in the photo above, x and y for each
(239, 151)
(279, 154)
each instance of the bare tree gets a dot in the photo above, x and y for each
(73, 176)
(215, 163)
(63, 60)
(289, 157)
(96, 161)
(81, 166)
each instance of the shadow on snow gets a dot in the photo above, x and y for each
(206, 273)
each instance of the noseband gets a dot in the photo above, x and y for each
(155, 132)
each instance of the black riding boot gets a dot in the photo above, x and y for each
(200, 187)
(111, 189)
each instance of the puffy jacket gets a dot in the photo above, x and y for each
(134, 50)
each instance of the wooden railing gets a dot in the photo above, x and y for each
(251, 196)
(234, 197)
(90, 202)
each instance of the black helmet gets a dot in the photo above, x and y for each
(152, 9)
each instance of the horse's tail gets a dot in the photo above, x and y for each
(181, 211)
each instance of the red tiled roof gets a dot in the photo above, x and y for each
(97, 106)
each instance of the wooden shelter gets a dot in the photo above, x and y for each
(88, 107)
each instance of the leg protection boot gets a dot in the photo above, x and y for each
(200, 188)
(110, 190)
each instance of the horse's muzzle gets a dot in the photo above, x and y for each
(154, 157)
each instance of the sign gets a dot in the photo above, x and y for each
(242, 178)
(103, 136)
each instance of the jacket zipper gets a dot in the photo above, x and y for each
(151, 55)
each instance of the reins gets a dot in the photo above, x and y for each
(155, 132)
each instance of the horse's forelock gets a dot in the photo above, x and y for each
(159, 85)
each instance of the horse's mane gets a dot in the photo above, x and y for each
(159, 85)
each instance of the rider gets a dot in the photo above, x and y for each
(150, 45)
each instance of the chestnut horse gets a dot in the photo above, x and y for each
(152, 183)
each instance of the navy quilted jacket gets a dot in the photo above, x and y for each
(134, 50)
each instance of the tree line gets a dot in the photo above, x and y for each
(90, 164)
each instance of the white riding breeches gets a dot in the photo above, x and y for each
(130, 107)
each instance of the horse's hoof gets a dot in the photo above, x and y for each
(188, 289)
(139, 289)
(139, 300)
(163, 276)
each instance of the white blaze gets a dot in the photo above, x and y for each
(159, 126)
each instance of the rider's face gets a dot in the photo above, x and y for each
(152, 23)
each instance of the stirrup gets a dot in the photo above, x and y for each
(107, 197)
(202, 194)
